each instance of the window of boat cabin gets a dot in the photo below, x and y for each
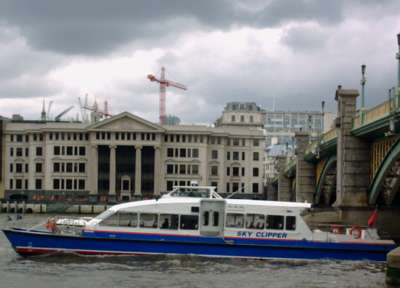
(234, 220)
(169, 221)
(148, 220)
(275, 222)
(192, 192)
(215, 218)
(206, 218)
(120, 219)
(255, 221)
(290, 223)
(189, 222)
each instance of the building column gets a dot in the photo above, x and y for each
(93, 170)
(138, 171)
(305, 172)
(112, 176)
(353, 155)
(157, 166)
(32, 166)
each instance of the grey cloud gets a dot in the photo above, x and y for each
(98, 26)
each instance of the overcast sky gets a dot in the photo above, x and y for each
(295, 51)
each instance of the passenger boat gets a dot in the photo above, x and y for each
(195, 220)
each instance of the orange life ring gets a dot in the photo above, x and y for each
(355, 231)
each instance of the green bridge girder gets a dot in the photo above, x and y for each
(331, 161)
(384, 168)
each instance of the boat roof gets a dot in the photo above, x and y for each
(196, 201)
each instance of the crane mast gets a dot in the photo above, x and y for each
(164, 83)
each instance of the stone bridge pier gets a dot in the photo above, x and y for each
(353, 155)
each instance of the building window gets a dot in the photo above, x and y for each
(170, 152)
(19, 139)
(38, 167)
(18, 184)
(214, 170)
(81, 167)
(215, 184)
(255, 172)
(242, 118)
(38, 184)
(81, 184)
(256, 156)
(82, 150)
(235, 156)
(195, 169)
(11, 184)
(182, 153)
(19, 152)
(256, 142)
(26, 167)
(214, 154)
(235, 171)
(235, 142)
(11, 151)
(195, 153)
(170, 169)
(182, 169)
(39, 151)
(56, 184)
(69, 167)
(68, 184)
(243, 171)
(56, 150)
(251, 118)
(11, 167)
(26, 152)
(255, 187)
(56, 167)
(228, 171)
(228, 155)
(235, 187)
(227, 187)
(243, 155)
(18, 168)
(233, 118)
(69, 150)
(170, 185)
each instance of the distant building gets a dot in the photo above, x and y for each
(242, 114)
(125, 156)
(172, 120)
(292, 121)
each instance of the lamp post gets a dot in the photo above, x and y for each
(363, 80)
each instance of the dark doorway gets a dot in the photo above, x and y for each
(125, 160)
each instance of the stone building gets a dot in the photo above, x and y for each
(125, 157)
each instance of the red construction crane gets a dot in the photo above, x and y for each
(164, 83)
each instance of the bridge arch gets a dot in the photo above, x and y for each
(386, 182)
(325, 193)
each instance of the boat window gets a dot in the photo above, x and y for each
(191, 192)
(215, 218)
(128, 219)
(189, 222)
(148, 220)
(206, 217)
(275, 222)
(291, 223)
(110, 220)
(169, 221)
(234, 220)
(255, 221)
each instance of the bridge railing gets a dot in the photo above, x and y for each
(375, 113)
(329, 135)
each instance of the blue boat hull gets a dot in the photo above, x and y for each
(33, 243)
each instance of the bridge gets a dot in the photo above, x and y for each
(351, 169)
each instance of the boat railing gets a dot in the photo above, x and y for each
(62, 225)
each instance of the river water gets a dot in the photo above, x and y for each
(171, 271)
